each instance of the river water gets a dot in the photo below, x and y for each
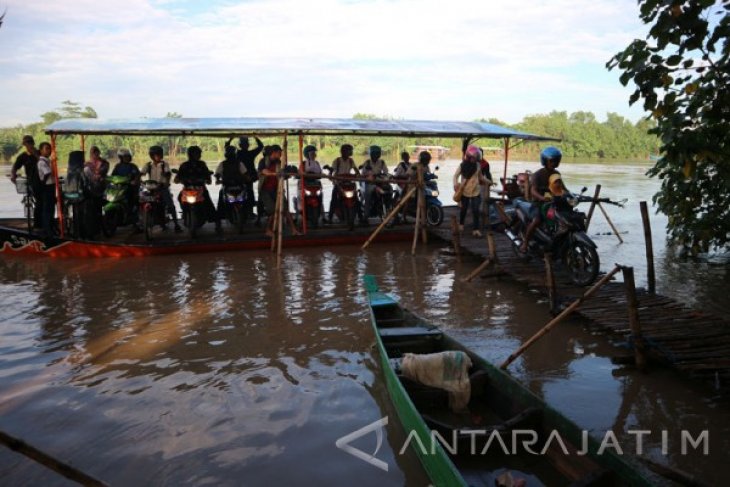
(221, 370)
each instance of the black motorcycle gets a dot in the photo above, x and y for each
(563, 234)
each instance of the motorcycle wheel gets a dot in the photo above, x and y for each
(434, 215)
(239, 214)
(109, 223)
(313, 217)
(147, 223)
(583, 263)
(349, 215)
(193, 216)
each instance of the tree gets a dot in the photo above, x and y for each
(682, 73)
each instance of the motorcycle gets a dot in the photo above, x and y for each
(312, 201)
(348, 202)
(563, 234)
(434, 207)
(151, 207)
(382, 198)
(234, 203)
(193, 204)
(116, 209)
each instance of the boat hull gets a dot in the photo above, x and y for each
(16, 241)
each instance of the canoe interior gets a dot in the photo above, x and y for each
(498, 402)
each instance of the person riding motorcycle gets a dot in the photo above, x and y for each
(194, 169)
(372, 169)
(231, 172)
(342, 166)
(125, 167)
(541, 190)
(312, 166)
(159, 170)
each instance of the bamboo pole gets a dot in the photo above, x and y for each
(390, 216)
(650, 278)
(418, 221)
(422, 203)
(456, 235)
(301, 180)
(506, 160)
(573, 306)
(633, 307)
(276, 214)
(550, 282)
(491, 246)
(282, 209)
(59, 194)
(593, 205)
(487, 262)
(48, 461)
(615, 231)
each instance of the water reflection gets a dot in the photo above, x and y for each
(215, 368)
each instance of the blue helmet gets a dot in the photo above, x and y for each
(550, 153)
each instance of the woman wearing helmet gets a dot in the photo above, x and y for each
(540, 185)
(372, 169)
(157, 169)
(471, 180)
(341, 166)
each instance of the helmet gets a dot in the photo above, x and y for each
(194, 150)
(550, 153)
(124, 152)
(346, 149)
(375, 152)
(156, 150)
(424, 157)
(308, 149)
(473, 152)
(230, 152)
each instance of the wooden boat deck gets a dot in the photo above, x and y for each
(691, 341)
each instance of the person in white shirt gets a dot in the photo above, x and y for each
(342, 166)
(159, 170)
(47, 200)
(372, 168)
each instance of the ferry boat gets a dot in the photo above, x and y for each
(16, 238)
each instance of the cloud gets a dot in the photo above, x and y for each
(412, 59)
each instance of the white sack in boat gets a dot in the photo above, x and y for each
(445, 370)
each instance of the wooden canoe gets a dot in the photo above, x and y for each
(499, 406)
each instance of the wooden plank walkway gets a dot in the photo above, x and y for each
(691, 341)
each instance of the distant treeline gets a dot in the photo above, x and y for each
(581, 134)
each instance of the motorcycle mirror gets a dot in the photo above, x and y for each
(436, 168)
(583, 190)
(173, 170)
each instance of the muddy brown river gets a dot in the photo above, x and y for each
(222, 370)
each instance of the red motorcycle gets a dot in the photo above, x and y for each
(312, 201)
(348, 201)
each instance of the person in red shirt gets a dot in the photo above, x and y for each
(268, 172)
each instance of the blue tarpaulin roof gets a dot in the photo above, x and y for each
(279, 126)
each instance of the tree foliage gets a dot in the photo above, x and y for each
(682, 74)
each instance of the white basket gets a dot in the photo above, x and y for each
(21, 185)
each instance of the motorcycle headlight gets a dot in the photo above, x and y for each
(434, 193)
(349, 194)
(307, 192)
(191, 198)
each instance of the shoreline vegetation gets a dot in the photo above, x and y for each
(583, 138)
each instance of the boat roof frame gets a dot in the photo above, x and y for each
(230, 127)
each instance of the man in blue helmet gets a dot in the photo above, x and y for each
(540, 191)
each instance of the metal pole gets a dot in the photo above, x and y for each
(651, 280)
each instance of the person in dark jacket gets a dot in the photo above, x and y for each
(248, 158)
(196, 170)
(28, 161)
(230, 172)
